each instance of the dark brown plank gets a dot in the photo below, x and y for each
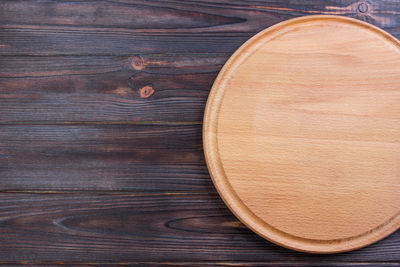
(139, 227)
(102, 157)
(110, 14)
(207, 264)
(126, 27)
(157, 64)
(139, 88)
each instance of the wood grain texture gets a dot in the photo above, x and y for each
(301, 134)
(102, 157)
(92, 27)
(204, 263)
(92, 93)
(106, 88)
(138, 227)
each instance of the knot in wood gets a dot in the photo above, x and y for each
(138, 62)
(363, 7)
(146, 91)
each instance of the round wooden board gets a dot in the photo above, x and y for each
(302, 134)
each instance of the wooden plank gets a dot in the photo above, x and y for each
(102, 157)
(157, 64)
(126, 27)
(139, 88)
(139, 227)
(208, 264)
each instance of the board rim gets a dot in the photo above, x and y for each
(221, 183)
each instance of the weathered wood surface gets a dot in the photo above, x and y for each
(102, 157)
(101, 104)
(166, 88)
(260, 264)
(125, 27)
(169, 227)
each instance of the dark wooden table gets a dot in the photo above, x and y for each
(101, 108)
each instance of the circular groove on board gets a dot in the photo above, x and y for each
(302, 134)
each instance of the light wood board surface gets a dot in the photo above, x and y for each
(302, 134)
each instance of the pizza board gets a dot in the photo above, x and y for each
(302, 134)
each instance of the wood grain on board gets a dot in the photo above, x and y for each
(137, 88)
(138, 227)
(126, 27)
(301, 134)
(109, 96)
(102, 157)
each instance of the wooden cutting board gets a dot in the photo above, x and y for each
(302, 134)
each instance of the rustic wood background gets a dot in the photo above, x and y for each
(101, 106)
